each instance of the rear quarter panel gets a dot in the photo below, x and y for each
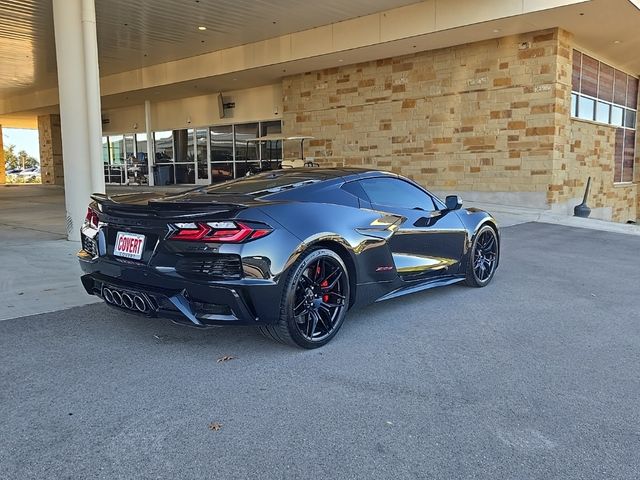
(313, 223)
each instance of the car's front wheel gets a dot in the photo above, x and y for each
(315, 300)
(483, 257)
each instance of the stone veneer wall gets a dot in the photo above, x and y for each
(589, 152)
(476, 117)
(50, 149)
(585, 149)
(490, 117)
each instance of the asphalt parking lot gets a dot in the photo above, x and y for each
(535, 376)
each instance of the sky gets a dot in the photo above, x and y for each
(23, 139)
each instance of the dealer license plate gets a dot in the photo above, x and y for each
(129, 245)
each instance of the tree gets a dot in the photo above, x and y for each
(10, 159)
(21, 160)
(26, 160)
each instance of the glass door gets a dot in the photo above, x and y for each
(202, 156)
(271, 150)
(129, 157)
(221, 153)
(116, 171)
(141, 164)
(246, 149)
(185, 156)
(164, 171)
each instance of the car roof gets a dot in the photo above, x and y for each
(274, 181)
(315, 173)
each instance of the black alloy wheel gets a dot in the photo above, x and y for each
(483, 258)
(315, 300)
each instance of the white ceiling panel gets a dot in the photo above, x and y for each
(132, 34)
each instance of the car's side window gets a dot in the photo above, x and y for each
(355, 189)
(394, 192)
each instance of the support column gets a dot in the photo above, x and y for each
(94, 109)
(151, 145)
(3, 177)
(51, 164)
(79, 91)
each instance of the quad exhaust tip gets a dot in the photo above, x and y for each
(130, 301)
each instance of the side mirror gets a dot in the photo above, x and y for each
(453, 202)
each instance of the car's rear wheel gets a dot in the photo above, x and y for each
(483, 258)
(315, 300)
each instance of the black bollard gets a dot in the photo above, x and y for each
(583, 209)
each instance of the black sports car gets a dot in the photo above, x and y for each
(289, 251)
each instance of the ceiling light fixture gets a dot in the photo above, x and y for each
(202, 27)
(496, 30)
(617, 42)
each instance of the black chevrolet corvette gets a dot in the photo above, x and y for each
(289, 251)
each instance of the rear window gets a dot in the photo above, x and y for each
(260, 185)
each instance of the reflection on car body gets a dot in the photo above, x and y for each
(289, 251)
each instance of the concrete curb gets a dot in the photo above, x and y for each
(589, 223)
(514, 215)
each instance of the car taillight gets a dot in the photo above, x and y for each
(91, 220)
(222, 232)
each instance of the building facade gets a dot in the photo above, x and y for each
(512, 102)
(491, 120)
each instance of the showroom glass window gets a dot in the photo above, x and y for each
(192, 155)
(125, 159)
(164, 169)
(118, 155)
(605, 94)
(221, 139)
(184, 155)
(247, 153)
(202, 153)
(163, 146)
(113, 158)
(271, 150)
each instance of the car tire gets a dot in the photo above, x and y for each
(483, 258)
(314, 302)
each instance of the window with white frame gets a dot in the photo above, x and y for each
(605, 94)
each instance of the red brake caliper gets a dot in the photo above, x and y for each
(325, 297)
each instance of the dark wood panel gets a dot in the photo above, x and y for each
(577, 66)
(620, 89)
(605, 87)
(632, 93)
(589, 84)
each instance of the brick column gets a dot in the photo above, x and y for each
(50, 150)
(2, 172)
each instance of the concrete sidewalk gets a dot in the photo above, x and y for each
(508, 215)
(39, 272)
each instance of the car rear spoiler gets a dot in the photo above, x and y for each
(151, 204)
